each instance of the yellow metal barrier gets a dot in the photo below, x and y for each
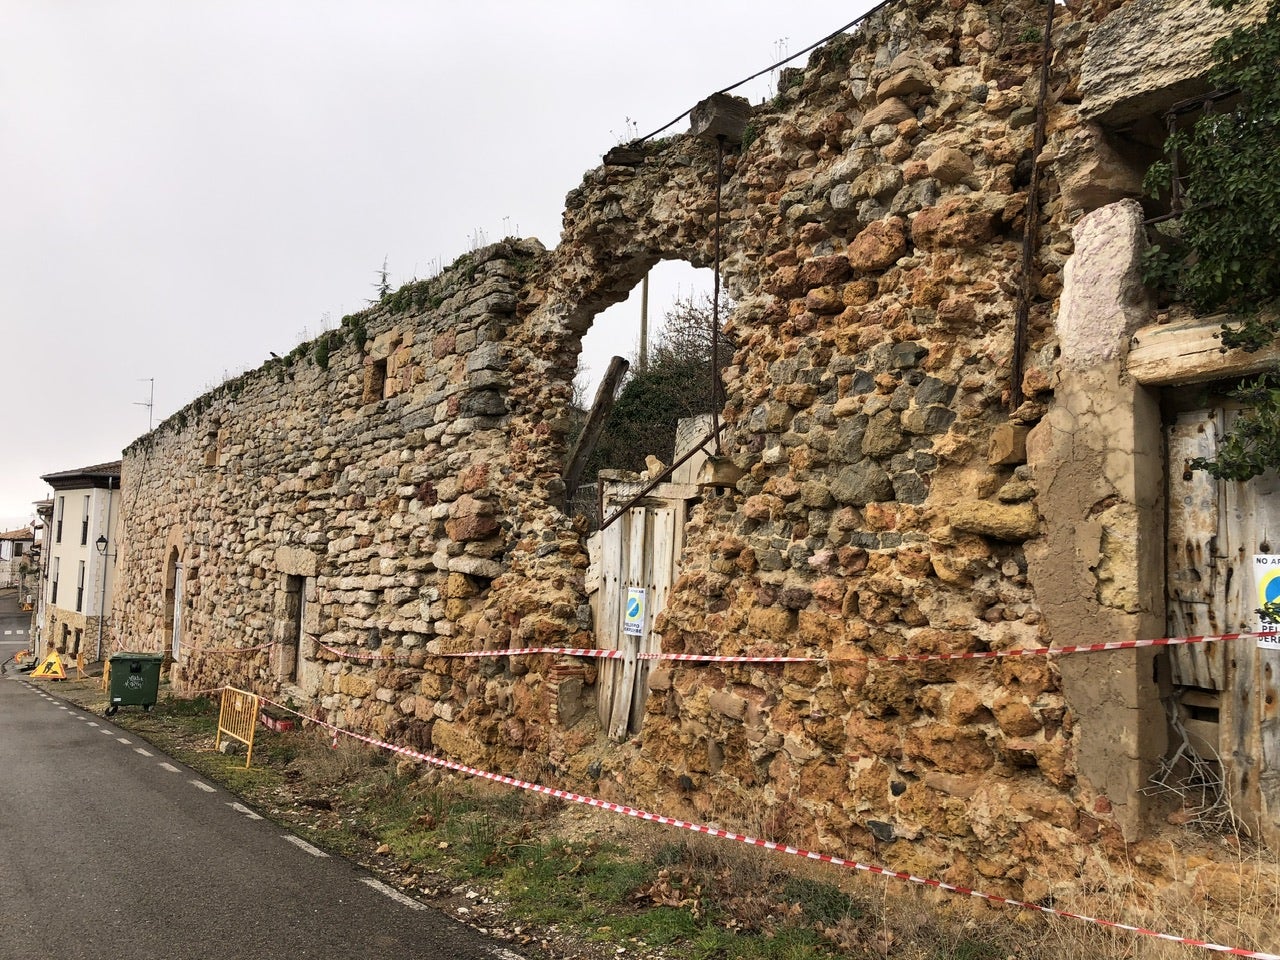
(106, 674)
(238, 719)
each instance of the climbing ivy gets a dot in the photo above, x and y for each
(1224, 254)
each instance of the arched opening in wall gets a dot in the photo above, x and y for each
(173, 602)
(640, 456)
(664, 331)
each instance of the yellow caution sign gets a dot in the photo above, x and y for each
(50, 668)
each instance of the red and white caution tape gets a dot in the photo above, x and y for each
(742, 658)
(1076, 648)
(602, 654)
(558, 651)
(776, 847)
(347, 655)
(505, 652)
(263, 646)
(968, 655)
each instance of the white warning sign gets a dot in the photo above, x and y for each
(633, 616)
(1266, 579)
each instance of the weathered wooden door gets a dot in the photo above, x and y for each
(175, 634)
(639, 551)
(1228, 692)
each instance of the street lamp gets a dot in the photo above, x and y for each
(101, 545)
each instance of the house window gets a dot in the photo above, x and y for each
(84, 524)
(80, 589)
(53, 589)
(1180, 116)
(62, 505)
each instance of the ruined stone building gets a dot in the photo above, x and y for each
(940, 447)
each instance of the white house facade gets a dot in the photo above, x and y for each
(79, 562)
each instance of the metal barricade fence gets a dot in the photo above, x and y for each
(238, 719)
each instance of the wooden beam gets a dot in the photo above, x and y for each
(1191, 351)
(582, 450)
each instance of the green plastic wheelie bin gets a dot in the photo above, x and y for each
(135, 680)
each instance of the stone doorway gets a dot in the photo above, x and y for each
(173, 603)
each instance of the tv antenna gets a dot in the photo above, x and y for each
(150, 402)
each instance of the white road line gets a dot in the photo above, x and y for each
(170, 767)
(106, 731)
(241, 808)
(125, 740)
(303, 845)
(64, 707)
(92, 724)
(145, 753)
(201, 785)
(395, 895)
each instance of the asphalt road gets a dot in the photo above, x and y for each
(14, 625)
(109, 849)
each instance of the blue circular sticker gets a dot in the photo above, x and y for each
(1269, 587)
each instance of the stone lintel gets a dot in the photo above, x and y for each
(297, 561)
(1149, 54)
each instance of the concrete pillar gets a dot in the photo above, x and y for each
(1098, 463)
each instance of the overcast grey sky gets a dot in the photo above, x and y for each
(186, 186)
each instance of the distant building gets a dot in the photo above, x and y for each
(15, 547)
(78, 569)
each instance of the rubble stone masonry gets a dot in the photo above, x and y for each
(392, 491)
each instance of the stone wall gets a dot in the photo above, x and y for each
(371, 464)
(393, 490)
(61, 627)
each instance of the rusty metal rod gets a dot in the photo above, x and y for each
(1031, 224)
(1200, 102)
(716, 391)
